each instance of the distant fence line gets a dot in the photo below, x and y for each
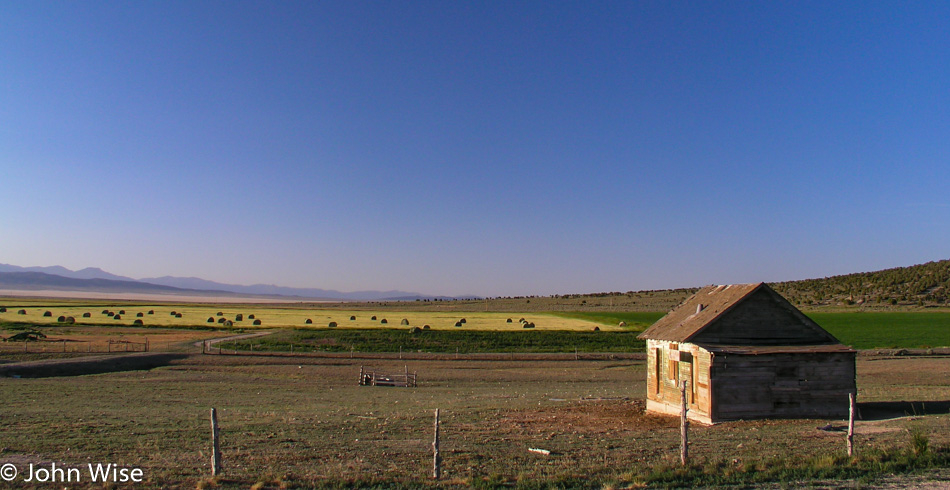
(75, 346)
(209, 348)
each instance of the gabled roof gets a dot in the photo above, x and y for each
(719, 311)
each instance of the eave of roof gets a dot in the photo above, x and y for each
(776, 349)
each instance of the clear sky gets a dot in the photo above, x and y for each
(490, 148)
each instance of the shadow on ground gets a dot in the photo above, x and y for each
(893, 410)
(89, 365)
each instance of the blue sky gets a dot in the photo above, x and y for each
(490, 148)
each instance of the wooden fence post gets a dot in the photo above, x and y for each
(684, 427)
(215, 448)
(436, 457)
(851, 424)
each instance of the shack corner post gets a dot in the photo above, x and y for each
(684, 426)
(851, 410)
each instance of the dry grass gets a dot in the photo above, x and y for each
(305, 422)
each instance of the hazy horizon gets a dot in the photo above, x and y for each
(497, 149)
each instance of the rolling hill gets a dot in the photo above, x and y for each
(918, 286)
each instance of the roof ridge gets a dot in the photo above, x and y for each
(688, 320)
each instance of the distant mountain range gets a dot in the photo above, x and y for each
(923, 285)
(98, 280)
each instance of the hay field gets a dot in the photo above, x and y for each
(279, 316)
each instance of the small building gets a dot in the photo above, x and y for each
(745, 352)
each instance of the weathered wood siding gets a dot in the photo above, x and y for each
(762, 319)
(782, 385)
(665, 372)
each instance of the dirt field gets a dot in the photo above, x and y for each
(305, 422)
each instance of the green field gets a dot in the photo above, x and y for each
(860, 330)
(877, 330)
(635, 320)
(441, 341)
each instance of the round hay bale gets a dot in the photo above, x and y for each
(61, 319)
(174, 313)
(257, 322)
(331, 325)
(309, 321)
(229, 323)
(220, 313)
(596, 329)
(462, 320)
(87, 315)
(210, 319)
(121, 312)
(21, 312)
(105, 312)
(117, 317)
(3, 309)
(528, 325)
(110, 313)
(404, 322)
(415, 330)
(521, 320)
(151, 312)
(425, 327)
(623, 324)
(239, 317)
(178, 315)
(508, 320)
(139, 314)
(458, 324)
(138, 322)
(383, 321)
(352, 318)
(251, 316)
(374, 318)
(48, 313)
(222, 320)
(70, 319)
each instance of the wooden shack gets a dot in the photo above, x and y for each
(746, 352)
